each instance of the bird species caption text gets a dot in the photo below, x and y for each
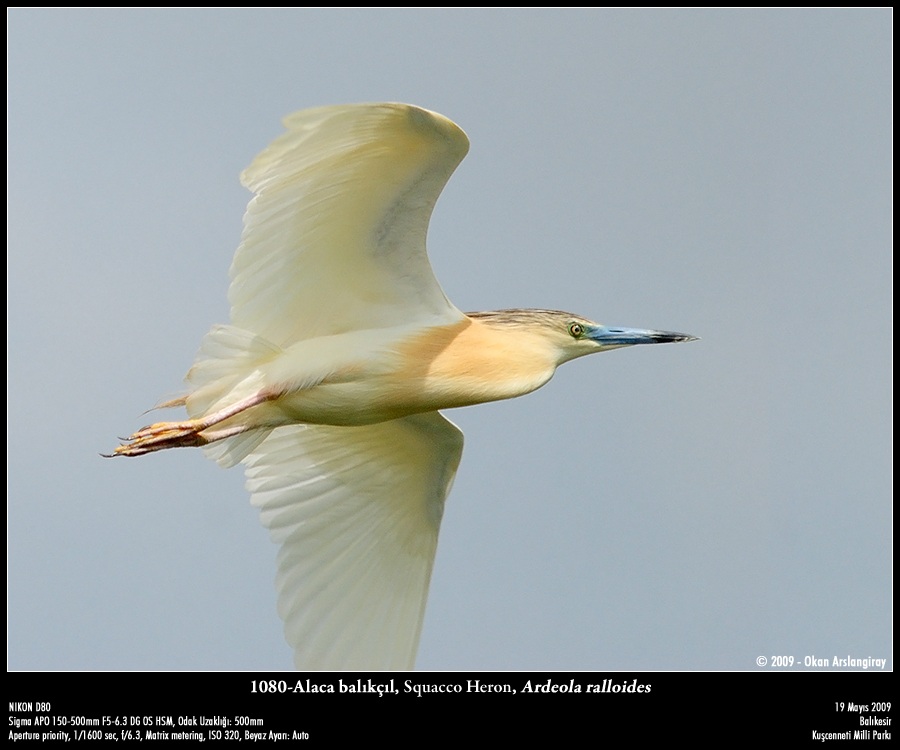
(421, 689)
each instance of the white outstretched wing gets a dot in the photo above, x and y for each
(334, 239)
(356, 511)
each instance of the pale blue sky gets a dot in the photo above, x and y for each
(724, 173)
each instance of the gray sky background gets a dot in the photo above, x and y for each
(723, 173)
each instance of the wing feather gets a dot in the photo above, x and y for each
(356, 511)
(334, 239)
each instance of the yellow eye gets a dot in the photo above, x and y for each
(576, 330)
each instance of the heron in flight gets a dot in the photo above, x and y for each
(341, 351)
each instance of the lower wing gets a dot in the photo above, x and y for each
(356, 511)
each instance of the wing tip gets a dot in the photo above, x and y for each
(312, 119)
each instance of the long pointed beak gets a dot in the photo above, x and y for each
(608, 336)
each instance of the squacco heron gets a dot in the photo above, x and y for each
(341, 351)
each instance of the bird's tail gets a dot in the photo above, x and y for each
(227, 382)
(225, 372)
(226, 361)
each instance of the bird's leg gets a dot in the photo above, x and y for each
(162, 435)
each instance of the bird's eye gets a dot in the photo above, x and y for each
(576, 330)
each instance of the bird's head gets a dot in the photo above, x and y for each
(571, 336)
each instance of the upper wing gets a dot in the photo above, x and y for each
(356, 511)
(334, 239)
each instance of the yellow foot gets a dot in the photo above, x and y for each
(163, 435)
